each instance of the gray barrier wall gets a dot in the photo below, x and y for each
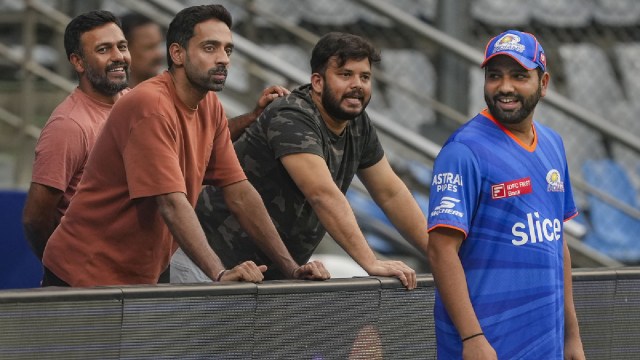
(361, 318)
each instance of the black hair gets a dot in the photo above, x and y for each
(344, 47)
(183, 24)
(131, 21)
(83, 23)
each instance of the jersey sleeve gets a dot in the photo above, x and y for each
(455, 188)
(151, 160)
(60, 153)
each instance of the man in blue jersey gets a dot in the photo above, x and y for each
(499, 196)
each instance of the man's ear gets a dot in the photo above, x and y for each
(177, 54)
(317, 83)
(77, 63)
(544, 82)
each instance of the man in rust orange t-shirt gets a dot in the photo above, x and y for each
(98, 52)
(161, 142)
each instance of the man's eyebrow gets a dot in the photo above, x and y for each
(108, 43)
(217, 43)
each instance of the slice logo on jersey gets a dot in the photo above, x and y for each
(447, 205)
(509, 42)
(536, 230)
(446, 182)
(511, 188)
(554, 181)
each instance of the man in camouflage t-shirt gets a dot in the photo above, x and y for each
(301, 156)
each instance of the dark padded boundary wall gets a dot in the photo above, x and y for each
(360, 318)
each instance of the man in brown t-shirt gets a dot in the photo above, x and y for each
(160, 143)
(97, 50)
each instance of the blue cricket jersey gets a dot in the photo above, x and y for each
(510, 200)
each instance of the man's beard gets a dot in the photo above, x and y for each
(331, 103)
(513, 117)
(204, 82)
(101, 82)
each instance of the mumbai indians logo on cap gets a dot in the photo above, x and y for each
(508, 42)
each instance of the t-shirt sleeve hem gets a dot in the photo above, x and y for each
(156, 191)
(228, 180)
(448, 227)
(50, 183)
(290, 151)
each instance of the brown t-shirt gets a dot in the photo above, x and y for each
(65, 142)
(152, 144)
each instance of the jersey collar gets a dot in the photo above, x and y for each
(529, 148)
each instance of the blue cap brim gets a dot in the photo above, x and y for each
(526, 63)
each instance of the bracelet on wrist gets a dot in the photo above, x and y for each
(472, 336)
(220, 274)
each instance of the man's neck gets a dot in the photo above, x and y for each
(96, 95)
(189, 95)
(523, 131)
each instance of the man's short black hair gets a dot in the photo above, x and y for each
(343, 47)
(83, 23)
(183, 24)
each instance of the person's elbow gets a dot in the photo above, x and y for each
(32, 222)
(239, 196)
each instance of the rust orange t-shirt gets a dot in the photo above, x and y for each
(151, 144)
(65, 142)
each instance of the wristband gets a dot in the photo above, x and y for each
(220, 274)
(472, 336)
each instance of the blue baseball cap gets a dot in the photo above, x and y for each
(521, 46)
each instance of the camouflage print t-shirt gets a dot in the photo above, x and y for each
(289, 125)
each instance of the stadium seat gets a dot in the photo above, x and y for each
(476, 91)
(616, 12)
(292, 55)
(589, 75)
(420, 172)
(413, 69)
(12, 5)
(504, 13)
(294, 12)
(364, 206)
(629, 159)
(615, 233)
(19, 267)
(627, 56)
(424, 9)
(339, 13)
(7, 170)
(591, 82)
(423, 202)
(562, 13)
